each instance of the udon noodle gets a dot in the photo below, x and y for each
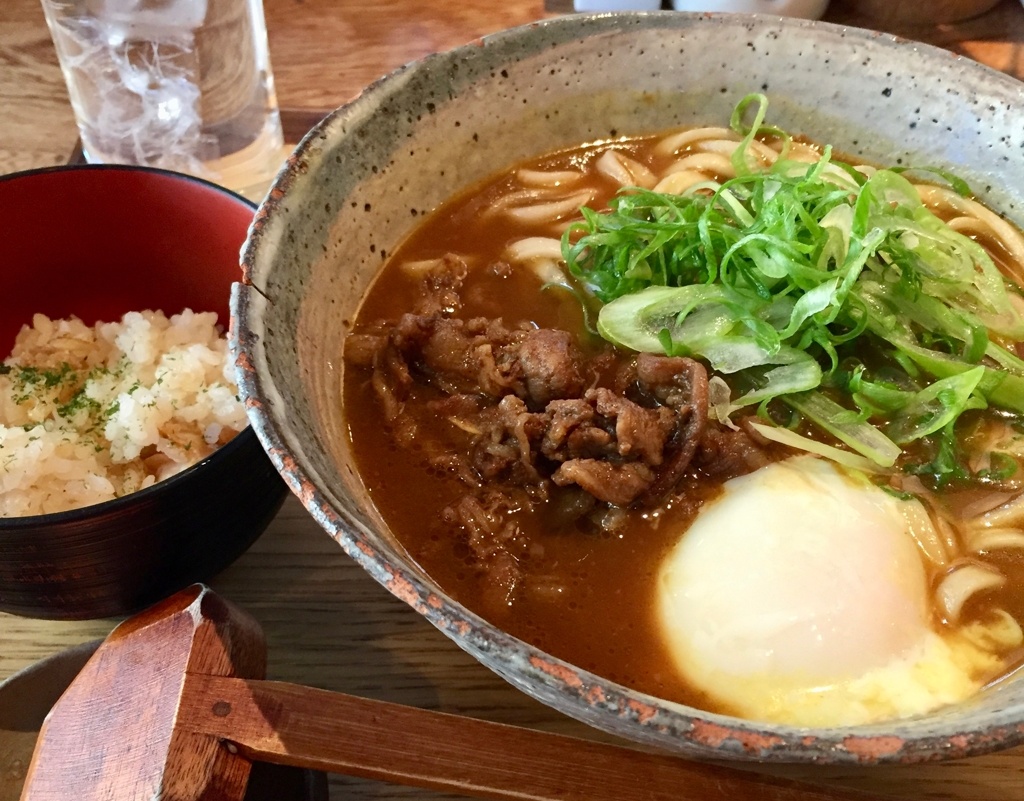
(563, 472)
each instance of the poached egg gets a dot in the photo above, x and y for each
(799, 596)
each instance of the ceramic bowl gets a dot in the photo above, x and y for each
(98, 242)
(359, 181)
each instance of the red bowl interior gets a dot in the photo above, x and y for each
(98, 242)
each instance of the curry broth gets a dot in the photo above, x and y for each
(589, 596)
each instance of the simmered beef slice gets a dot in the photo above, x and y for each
(491, 538)
(390, 378)
(549, 365)
(479, 355)
(725, 453)
(610, 446)
(673, 380)
(534, 408)
(682, 385)
(391, 382)
(620, 484)
(640, 433)
(442, 281)
(361, 349)
(503, 447)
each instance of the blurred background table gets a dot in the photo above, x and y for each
(327, 623)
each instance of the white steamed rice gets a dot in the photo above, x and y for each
(91, 414)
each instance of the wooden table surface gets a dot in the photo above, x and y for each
(327, 623)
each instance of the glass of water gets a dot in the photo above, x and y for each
(180, 84)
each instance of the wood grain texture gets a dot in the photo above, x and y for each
(327, 623)
(305, 727)
(356, 43)
(112, 734)
(37, 128)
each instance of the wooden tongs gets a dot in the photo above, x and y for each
(172, 706)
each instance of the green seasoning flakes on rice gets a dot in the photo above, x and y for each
(91, 414)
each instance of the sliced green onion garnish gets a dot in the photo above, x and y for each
(778, 275)
(799, 442)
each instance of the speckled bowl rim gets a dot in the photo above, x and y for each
(590, 698)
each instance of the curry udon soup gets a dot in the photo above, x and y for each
(715, 415)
